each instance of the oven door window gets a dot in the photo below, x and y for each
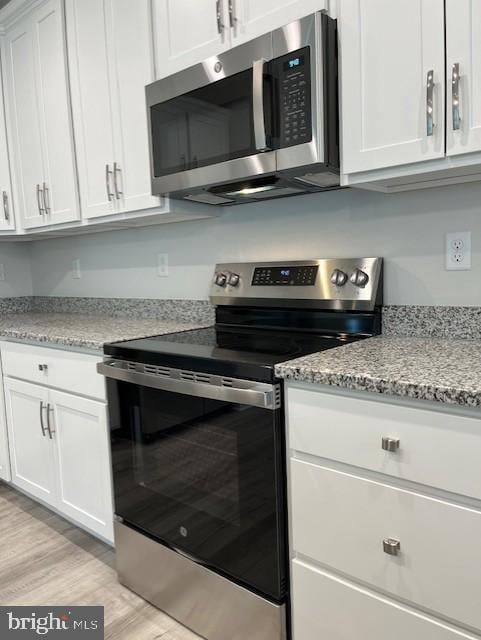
(209, 125)
(203, 476)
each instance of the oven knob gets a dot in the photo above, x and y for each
(234, 279)
(339, 278)
(359, 278)
(221, 279)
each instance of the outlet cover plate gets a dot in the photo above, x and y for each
(458, 251)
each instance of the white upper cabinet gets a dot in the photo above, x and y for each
(7, 219)
(188, 32)
(111, 60)
(92, 104)
(463, 68)
(133, 60)
(24, 119)
(252, 18)
(392, 82)
(38, 105)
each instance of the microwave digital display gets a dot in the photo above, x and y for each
(294, 63)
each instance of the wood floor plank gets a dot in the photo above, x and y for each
(45, 560)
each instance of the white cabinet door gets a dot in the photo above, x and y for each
(388, 50)
(7, 219)
(252, 18)
(132, 62)
(60, 173)
(23, 117)
(188, 32)
(463, 39)
(91, 104)
(83, 461)
(4, 455)
(31, 451)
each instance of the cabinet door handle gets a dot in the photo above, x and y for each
(218, 11)
(391, 546)
(108, 173)
(455, 83)
(117, 172)
(46, 199)
(232, 15)
(42, 425)
(51, 431)
(430, 84)
(6, 210)
(43, 368)
(390, 444)
(41, 210)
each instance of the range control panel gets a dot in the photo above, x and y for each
(289, 276)
(293, 73)
(335, 283)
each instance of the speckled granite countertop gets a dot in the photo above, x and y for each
(85, 331)
(447, 371)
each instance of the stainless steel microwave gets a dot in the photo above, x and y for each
(257, 122)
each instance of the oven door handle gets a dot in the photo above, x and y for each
(254, 394)
(260, 139)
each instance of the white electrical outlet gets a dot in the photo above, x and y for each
(163, 265)
(2, 272)
(76, 273)
(458, 251)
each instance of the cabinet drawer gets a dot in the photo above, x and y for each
(341, 520)
(328, 607)
(350, 430)
(67, 370)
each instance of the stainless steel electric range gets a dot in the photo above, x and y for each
(198, 441)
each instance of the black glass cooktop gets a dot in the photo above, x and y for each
(229, 351)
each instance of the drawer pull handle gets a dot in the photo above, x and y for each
(390, 444)
(391, 546)
(43, 367)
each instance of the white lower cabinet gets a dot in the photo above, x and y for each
(4, 455)
(59, 448)
(31, 452)
(82, 461)
(383, 529)
(326, 607)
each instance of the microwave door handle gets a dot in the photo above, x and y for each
(258, 105)
(254, 394)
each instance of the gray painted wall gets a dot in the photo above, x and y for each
(15, 258)
(407, 229)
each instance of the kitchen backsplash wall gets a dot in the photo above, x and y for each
(408, 229)
(15, 266)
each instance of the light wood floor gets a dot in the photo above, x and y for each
(45, 560)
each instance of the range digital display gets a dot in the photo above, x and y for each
(299, 276)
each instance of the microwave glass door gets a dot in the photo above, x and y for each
(204, 127)
(204, 477)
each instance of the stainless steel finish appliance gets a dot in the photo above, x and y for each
(350, 284)
(256, 122)
(197, 435)
(190, 592)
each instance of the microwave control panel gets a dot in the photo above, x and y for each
(294, 77)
